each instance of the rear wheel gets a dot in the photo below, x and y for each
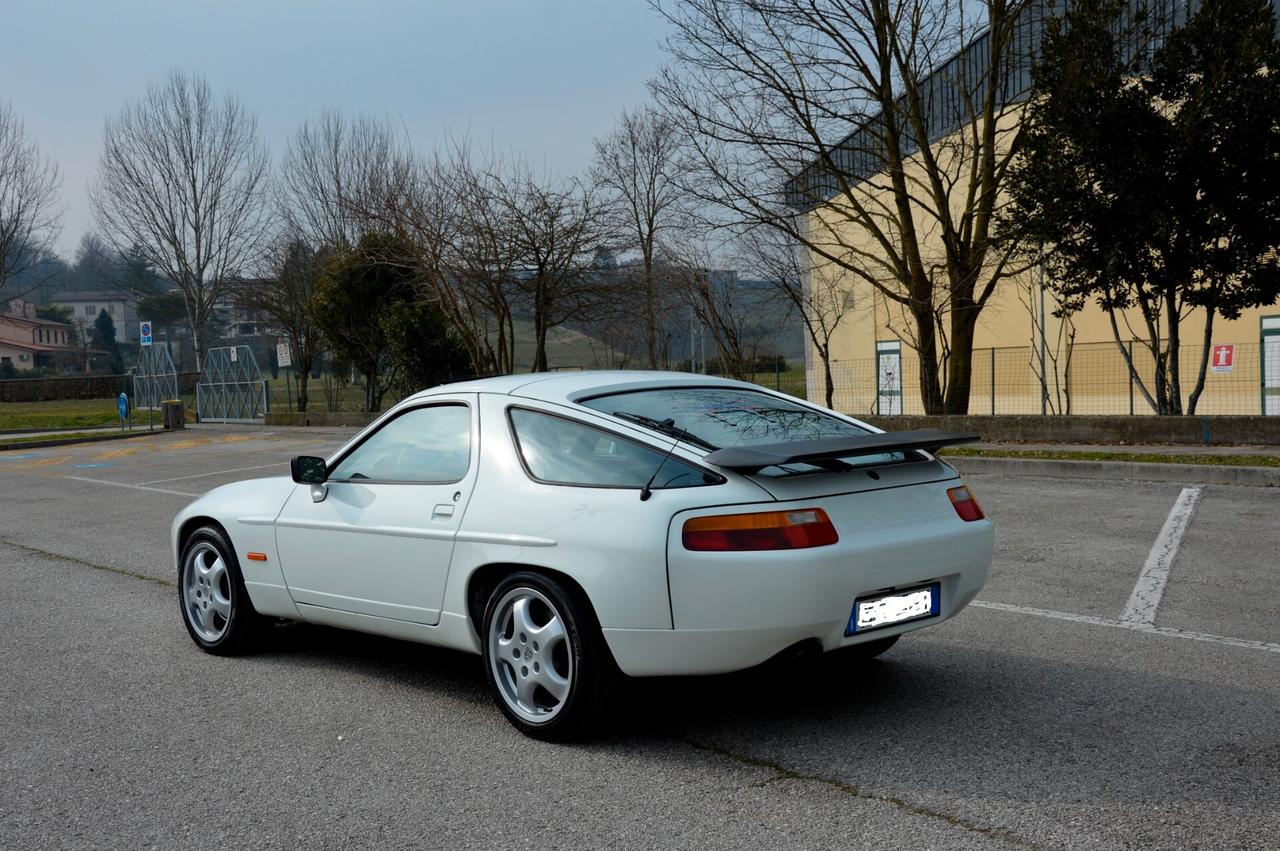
(544, 656)
(215, 606)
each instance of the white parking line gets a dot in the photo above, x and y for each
(214, 473)
(126, 485)
(1145, 600)
(1132, 626)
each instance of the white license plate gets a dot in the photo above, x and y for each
(889, 609)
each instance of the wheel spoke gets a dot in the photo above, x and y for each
(549, 634)
(524, 689)
(207, 621)
(556, 685)
(220, 604)
(217, 571)
(521, 617)
(201, 568)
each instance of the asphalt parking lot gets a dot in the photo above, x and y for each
(1105, 691)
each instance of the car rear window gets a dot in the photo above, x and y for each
(561, 451)
(720, 417)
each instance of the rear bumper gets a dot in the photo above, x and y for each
(729, 625)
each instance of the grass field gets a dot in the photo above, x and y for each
(71, 413)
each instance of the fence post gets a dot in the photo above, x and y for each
(777, 374)
(993, 381)
(1130, 370)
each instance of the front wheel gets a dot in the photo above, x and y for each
(215, 605)
(544, 657)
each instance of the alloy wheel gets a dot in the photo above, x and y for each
(530, 655)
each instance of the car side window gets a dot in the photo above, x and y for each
(431, 444)
(567, 452)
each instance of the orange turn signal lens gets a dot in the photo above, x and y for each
(965, 505)
(256, 556)
(767, 530)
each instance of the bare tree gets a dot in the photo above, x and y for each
(294, 268)
(333, 170)
(637, 165)
(557, 232)
(816, 291)
(884, 122)
(182, 180)
(723, 304)
(29, 216)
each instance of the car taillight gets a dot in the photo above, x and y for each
(768, 530)
(965, 505)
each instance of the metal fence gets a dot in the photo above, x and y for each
(1092, 378)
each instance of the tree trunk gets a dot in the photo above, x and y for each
(1174, 353)
(828, 383)
(1204, 362)
(197, 342)
(927, 351)
(960, 364)
(540, 336)
(370, 389)
(650, 324)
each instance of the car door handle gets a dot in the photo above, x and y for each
(444, 509)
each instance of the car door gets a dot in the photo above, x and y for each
(379, 540)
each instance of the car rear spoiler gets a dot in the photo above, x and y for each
(753, 459)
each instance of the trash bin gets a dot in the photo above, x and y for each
(174, 416)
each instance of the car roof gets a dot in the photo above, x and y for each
(578, 384)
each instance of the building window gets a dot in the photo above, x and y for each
(111, 308)
(89, 311)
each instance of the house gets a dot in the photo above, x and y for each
(27, 342)
(87, 304)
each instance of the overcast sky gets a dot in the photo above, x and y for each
(540, 77)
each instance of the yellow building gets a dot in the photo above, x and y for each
(1021, 364)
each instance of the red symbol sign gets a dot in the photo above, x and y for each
(1223, 356)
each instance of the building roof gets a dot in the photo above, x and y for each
(857, 156)
(91, 295)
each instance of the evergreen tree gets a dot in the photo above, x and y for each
(1152, 177)
(103, 338)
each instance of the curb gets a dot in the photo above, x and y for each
(69, 441)
(1132, 470)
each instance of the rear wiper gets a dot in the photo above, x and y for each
(667, 427)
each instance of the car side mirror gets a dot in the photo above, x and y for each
(308, 470)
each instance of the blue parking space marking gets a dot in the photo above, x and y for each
(94, 465)
(4, 457)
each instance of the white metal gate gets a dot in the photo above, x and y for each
(231, 389)
(156, 379)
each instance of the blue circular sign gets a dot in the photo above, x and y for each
(122, 405)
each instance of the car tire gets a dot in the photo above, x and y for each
(545, 658)
(215, 606)
(857, 654)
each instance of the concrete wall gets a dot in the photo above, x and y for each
(1226, 431)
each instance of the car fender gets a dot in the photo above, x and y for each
(247, 511)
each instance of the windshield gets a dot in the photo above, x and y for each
(719, 417)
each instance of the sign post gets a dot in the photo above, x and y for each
(285, 360)
(1223, 357)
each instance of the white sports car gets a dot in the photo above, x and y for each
(571, 526)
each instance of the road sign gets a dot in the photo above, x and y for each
(1223, 357)
(283, 356)
(144, 333)
(122, 406)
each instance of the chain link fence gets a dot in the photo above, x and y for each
(1092, 378)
